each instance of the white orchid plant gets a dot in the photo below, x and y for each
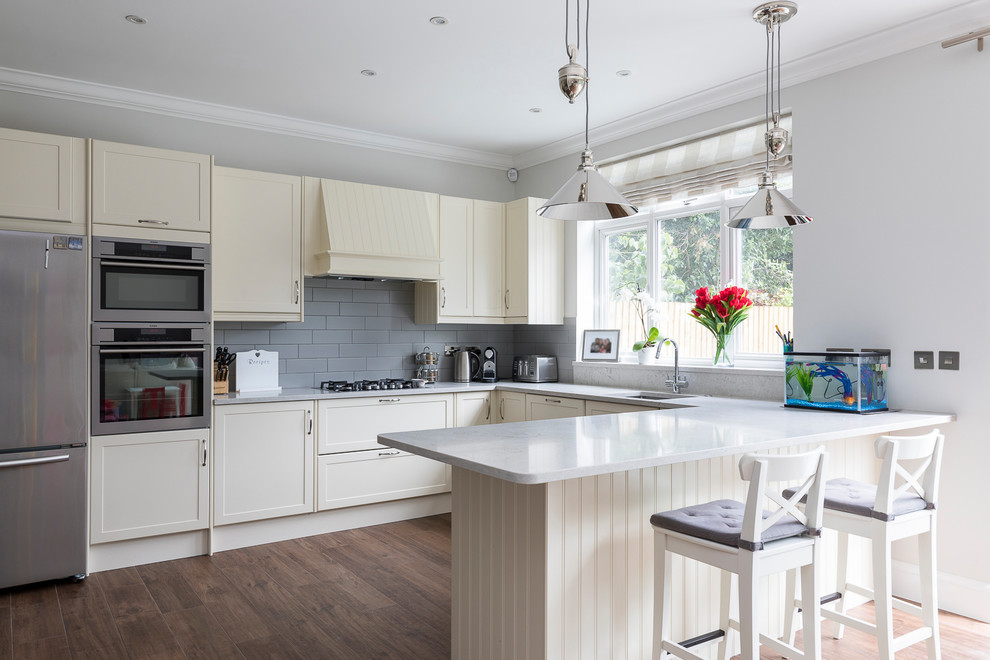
(646, 308)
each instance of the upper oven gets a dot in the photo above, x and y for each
(150, 281)
(150, 377)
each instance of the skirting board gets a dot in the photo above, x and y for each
(956, 594)
(135, 552)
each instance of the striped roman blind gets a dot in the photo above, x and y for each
(730, 159)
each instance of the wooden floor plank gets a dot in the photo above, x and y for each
(233, 611)
(89, 625)
(35, 614)
(200, 635)
(146, 635)
(6, 639)
(50, 648)
(168, 588)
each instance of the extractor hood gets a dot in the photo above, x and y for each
(376, 232)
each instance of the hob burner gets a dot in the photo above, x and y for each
(365, 385)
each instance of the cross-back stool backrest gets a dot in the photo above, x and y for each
(921, 481)
(761, 470)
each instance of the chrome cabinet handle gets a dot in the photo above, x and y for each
(204, 453)
(551, 400)
(297, 292)
(393, 452)
(443, 297)
(309, 420)
(153, 222)
(183, 349)
(501, 409)
(507, 299)
(34, 461)
(392, 400)
(143, 264)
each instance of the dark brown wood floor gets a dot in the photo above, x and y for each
(376, 592)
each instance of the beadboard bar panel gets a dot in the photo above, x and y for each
(564, 570)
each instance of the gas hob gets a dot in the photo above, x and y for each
(365, 385)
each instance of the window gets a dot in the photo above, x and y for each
(660, 257)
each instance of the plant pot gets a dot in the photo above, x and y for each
(647, 355)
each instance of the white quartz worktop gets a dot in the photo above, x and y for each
(553, 450)
(593, 392)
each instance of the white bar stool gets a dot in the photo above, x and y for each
(884, 513)
(750, 542)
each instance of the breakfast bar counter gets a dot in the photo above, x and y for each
(552, 546)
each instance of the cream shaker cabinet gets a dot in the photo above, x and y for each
(42, 181)
(149, 189)
(257, 246)
(511, 407)
(146, 484)
(456, 288)
(353, 468)
(534, 265)
(474, 408)
(539, 406)
(609, 408)
(487, 259)
(264, 460)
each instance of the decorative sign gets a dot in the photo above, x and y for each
(256, 371)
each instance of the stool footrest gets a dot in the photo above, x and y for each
(905, 606)
(850, 621)
(703, 639)
(913, 637)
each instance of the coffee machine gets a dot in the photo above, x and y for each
(489, 365)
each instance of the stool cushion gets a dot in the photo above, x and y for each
(859, 498)
(721, 521)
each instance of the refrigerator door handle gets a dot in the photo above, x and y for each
(34, 461)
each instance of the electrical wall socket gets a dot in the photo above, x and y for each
(450, 350)
(948, 360)
(924, 360)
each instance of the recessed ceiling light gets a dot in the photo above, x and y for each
(369, 73)
(536, 111)
(137, 20)
(624, 73)
(439, 20)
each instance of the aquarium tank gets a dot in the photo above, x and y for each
(848, 381)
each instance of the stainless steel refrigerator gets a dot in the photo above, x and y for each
(43, 361)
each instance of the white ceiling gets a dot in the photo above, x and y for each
(462, 91)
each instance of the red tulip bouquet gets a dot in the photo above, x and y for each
(721, 313)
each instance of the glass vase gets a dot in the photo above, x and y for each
(723, 351)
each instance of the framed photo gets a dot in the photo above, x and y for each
(601, 345)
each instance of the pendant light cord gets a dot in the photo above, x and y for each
(768, 79)
(577, 25)
(587, 68)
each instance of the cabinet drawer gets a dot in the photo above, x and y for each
(378, 475)
(354, 424)
(539, 406)
(608, 408)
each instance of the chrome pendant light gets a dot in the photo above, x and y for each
(587, 195)
(768, 208)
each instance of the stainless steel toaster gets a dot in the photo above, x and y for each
(535, 368)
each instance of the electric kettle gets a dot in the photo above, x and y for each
(467, 364)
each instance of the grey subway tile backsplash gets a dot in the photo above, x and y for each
(363, 330)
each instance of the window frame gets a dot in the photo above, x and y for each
(730, 264)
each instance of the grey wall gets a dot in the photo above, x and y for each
(253, 149)
(357, 331)
(550, 340)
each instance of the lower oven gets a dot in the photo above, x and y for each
(150, 377)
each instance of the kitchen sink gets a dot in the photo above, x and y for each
(655, 396)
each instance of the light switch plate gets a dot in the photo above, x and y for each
(924, 359)
(948, 360)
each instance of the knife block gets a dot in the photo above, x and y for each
(220, 386)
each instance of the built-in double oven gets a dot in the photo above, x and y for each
(151, 336)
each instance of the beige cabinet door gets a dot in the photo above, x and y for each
(353, 424)
(511, 407)
(539, 406)
(264, 455)
(146, 484)
(488, 255)
(257, 246)
(608, 408)
(42, 177)
(473, 408)
(534, 265)
(456, 291)
(150, 188)
(379, 475)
